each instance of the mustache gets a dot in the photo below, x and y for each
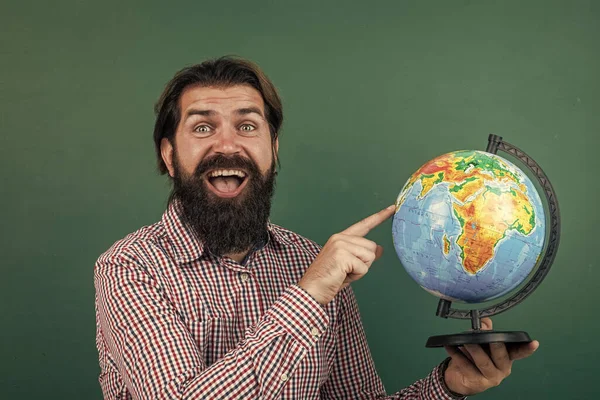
(220, 161)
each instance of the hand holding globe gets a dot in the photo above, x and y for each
(473, 369)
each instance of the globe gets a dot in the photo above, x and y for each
(469, 226)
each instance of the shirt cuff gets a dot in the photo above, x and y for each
(441, 370)
(300, 316)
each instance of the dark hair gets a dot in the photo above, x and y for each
(220, 72)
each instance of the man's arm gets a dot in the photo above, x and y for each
(347, 257)
(354, 375)
(158, 358)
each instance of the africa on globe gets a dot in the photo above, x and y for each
(469, 226)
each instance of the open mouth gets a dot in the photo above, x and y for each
(227, 182)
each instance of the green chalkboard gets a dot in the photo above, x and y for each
(371, 90)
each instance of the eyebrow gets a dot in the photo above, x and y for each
(204, 113)
(239, 111)
(249, 110)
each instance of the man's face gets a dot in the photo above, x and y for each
(221, 121)
(222, 164)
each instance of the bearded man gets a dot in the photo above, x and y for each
(216, 302)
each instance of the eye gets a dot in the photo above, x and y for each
(202, 129)
(247, 128)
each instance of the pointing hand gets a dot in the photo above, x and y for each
(346, 257)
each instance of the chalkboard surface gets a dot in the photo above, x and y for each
(371, 91)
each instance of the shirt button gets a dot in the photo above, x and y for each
(244, 277)
(314, 331)
(284, 377)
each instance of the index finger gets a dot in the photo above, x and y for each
(364, 226)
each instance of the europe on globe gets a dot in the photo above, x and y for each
(469, 226)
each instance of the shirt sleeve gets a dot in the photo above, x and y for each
(158, 358)
(354, 376)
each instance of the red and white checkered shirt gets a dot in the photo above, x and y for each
(176, 322)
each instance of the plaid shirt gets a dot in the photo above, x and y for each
(176, 322)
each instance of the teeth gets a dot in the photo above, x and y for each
(227, 172)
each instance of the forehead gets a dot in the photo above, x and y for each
(220, 98)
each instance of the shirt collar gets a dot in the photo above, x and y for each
(185, 247)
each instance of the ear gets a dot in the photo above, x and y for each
(275, 152)
(166, 151)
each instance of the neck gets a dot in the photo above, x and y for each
(238, 257)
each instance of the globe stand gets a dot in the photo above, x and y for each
(477, 335)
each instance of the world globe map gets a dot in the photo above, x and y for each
(469, 226)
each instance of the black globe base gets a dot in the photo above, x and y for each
(478, 337)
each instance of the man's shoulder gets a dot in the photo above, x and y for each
(294, 239)
(135, 245)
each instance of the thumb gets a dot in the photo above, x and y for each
(378, 252)
(486, 324)
(523, 350)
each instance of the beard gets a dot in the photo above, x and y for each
(225, 225)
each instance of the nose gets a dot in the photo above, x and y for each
(226, 141)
